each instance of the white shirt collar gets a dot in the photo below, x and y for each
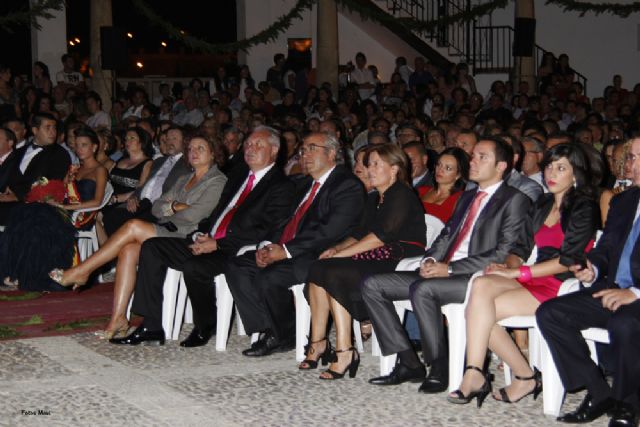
(324, 177)
(491, 190)
(261, 173)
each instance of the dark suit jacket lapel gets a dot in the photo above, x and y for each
(258, 189)
(320, 195)
(489, 211)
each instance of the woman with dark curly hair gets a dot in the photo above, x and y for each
(563, 225)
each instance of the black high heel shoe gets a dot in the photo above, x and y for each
(479, 394)
(537, 377)
(352, 367)
(327, 356)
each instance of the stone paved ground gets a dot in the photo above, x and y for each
(80, 380)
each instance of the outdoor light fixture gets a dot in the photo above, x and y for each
(130, 35)
(139, 64)
(164, 44)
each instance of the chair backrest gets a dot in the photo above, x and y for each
(434, 227)
(108, 192)
(533, 256)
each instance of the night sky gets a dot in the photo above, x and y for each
(184, 14)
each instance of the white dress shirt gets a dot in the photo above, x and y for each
(463, 249)
(258, 177)
(152, 189)
(31, 152)
(320, 181)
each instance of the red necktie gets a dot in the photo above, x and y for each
(222, 228)
(292, 227)
(468, 222)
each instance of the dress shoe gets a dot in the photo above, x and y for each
(399, 375)
(587, 411)
(198, 338)
(436, 382)
(624, 416)
(141, 335)
(268, 345)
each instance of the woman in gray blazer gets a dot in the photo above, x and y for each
(178, 211)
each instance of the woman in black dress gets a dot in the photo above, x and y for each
(392, 228)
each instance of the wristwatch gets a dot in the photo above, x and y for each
(450, 270)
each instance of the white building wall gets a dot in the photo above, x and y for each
(598, 46)
(379, 45)
(50, 43)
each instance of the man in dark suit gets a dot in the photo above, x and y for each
(420, 174)
(254, 200)
(42, 158)
(331, 205)
(165, 172)
(611, 302)
(232, 141)
(483, 229)
(532, 189)
(7, 155)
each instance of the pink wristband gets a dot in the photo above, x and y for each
(525, 274)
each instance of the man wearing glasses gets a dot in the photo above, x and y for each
(330, 205)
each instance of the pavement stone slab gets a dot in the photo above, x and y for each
(86, 381)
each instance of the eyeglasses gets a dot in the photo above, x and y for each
(310, 148)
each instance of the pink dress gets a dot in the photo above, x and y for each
(544, 288)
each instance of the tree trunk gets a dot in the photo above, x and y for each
(327, 60)
(101, 16)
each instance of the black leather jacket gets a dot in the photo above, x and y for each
(579, 225)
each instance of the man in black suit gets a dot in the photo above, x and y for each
(42, 158)
(611, 302)
(483, 229)
(254, 200)
(419, 157)
(7, 155)
(232, 141)
(165, 172)
(331, 205)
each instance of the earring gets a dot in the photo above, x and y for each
(575, 183)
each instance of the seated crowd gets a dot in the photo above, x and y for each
(288, 183)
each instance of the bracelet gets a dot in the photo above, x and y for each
(525, 274)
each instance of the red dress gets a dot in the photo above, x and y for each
(444, 211)
(544, 288)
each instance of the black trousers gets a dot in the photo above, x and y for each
(561, 320)
(262, 295)
(156, 256)
(6, 208)
(115, 217)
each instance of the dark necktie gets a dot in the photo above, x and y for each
(468, 222)
(222, 228)
(292, 227)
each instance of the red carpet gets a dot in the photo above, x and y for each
(56, 313)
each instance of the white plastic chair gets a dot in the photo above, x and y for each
(88, 240)
(457, 335)
(434, 227)
(224, 306)
(553, 390)
(173, 282)
(303, 322)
